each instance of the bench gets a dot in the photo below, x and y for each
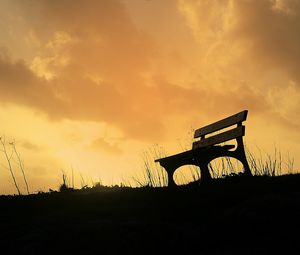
(205, 149)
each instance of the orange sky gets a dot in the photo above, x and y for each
(93, 84)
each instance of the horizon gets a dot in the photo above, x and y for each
(89, 86)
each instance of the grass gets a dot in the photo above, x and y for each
(260, 163)
(153, 175)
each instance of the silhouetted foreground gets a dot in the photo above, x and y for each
(260, 215)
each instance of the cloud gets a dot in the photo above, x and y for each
(263, 35)
(254, 43)
(89, 66)
(135, 112)
(31, 146)
(92, 63)
(275, 40)
(106, 147)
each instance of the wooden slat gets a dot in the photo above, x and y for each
(224, 123)
(220, 138)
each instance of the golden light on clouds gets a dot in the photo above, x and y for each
(91, 84)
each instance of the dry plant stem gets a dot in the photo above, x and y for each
(64, 176)
(21, 164)
(153, 175)
(8, 159)
(72, 177)
(83, 184)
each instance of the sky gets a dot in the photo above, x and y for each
(91, 86)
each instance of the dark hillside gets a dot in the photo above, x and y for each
(260, 215)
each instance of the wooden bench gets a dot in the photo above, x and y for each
(205, 149)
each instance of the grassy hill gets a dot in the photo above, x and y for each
(259, 215)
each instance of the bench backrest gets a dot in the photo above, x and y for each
(239, 131)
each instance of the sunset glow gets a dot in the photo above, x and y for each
(87, 86)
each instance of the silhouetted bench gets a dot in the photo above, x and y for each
(205, 149)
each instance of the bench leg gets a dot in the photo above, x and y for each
(205, 175)
(247, 171)
(242, 156)
(171, 182)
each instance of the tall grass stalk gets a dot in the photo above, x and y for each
(270, 164)
(261, 164)
(8, 159)
(21, 165)
(153, 175)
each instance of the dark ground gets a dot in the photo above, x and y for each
(260, 215)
